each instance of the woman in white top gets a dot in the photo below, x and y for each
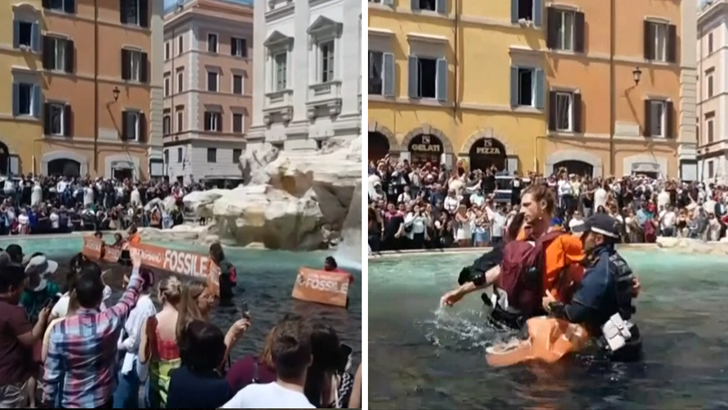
(452, 202)
(464, 232)
(416, 227)
(64, 306)
(23, 223)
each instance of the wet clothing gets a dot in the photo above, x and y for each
(228, 280)
(605, 291)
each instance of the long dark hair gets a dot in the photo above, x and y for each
(216, 253)
(325, 348)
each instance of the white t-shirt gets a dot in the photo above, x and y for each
(565, 188)
(23, 219)
(268, 396)
(36, 195)
(575, 222)
(60, 309)
(600, 198)
(451, 204)
(663, 198)
(668, 219)
(88, 196)
(54, 220)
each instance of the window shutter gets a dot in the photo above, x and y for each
(35, 38)
(514, 86)
(537, 13)
(413, 74)
(70, 57)
(70, 6)
(514, 11)
(220, 127)
(442, 77)
(552, 110)
(48, 53)
(442, 6)
(67, 121)
(125, 69)
(669, 129)
(37, 97)
(124, 125)
(144, 68)
(122, 11)
(16, 34)
(539, 89)
(647, 130)
(388, 86)
(415, 4)
(14, 165)
(16, 99)
(649, 41)
(552, 27)
(671, 43)
(233, 47)
(46, 4)
(579, 35)
(576, 113)
(142, 137)
(144, 13)
(46, 119)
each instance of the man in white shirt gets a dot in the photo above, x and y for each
(600, 198)
(54, 219)
(667, 221)
(452, 202)
(291, 353)
(663, 199)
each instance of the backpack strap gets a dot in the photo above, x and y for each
(255, 371)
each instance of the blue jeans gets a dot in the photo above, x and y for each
(126, 395)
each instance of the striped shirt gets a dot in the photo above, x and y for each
(80, 371)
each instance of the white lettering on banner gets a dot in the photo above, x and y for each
(151, 258)
(327, 285)
(94, 245)
(185, 263)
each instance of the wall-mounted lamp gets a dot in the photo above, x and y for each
(116, 94)
(637, 75)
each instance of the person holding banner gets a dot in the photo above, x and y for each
(228, 274)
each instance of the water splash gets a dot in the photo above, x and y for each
(348, 253)
(462, 330)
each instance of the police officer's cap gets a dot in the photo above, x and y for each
(602, 224)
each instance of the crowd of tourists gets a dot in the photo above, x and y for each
(33, 204)
(76, 348)
(426, 205)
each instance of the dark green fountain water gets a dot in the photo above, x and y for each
(423, 357)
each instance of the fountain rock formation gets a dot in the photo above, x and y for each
(288, 200)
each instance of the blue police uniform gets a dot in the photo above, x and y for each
(604, 299)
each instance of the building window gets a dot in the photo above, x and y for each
(237, 153)
(658, 45)
(212, 81)
(213, 121)
(426, 77)
(58, 54)
(525, 10)
(711, 170)
(280, 70)
(212, 155)
(376, 74)
(167, 54)
(327, 61)
(238, 84)
(179, 155)
(166, 124)
(133, 66)
(26, 100)
(180, 120)
(238, 47)
(564, 111)
(167, 85)
(430, 5)
(212, 43)
(658, 118)
(526, 91)
(709, 126)
(134, 12)
(66, 6)
(238, 123)
(709, 77)
(180, 45)
(24, 34)
(710, 43)
(166, 156)
(180, 80)
(132, 126)
(565, 34)
(57, 119)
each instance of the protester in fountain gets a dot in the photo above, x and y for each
(197, 383)
(330, 265)
(39, 293)
(328, 384)
(118, 241)
(605, 295)
(78, 373)
(18, 338)
(132, 372)
(133, 238)
(16, 253)
(228, 275)
(292, 355)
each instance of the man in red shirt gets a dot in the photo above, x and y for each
(330, 265)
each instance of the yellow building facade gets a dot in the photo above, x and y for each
(453, 84)
(21, 24)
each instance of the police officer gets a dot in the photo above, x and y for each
(603, 303)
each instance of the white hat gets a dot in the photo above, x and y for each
(41, 265)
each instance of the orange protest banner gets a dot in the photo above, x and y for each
(328, 288)
(172, 260)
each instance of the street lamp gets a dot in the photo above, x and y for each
(116, 94)
(637, 75)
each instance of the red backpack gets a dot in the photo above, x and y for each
(521, 276)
